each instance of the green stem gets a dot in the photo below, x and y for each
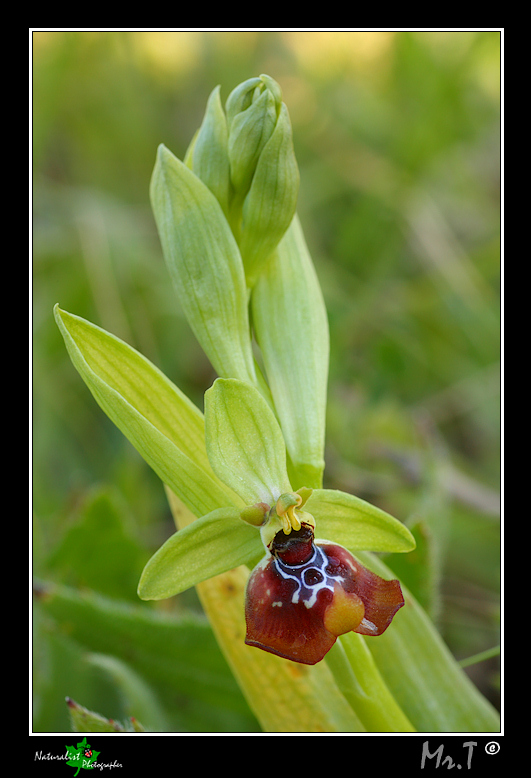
(362, 686)
(481, 657)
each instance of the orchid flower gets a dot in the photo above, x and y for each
(304, 592)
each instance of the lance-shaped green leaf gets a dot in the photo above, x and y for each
(176, 653)
(158, 419)
(244, 442)
(356, 524)
(271, 202)
(209, 546)
(291, 328)
(205, 264)
(209, 155)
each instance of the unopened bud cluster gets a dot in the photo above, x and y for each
(244, 154)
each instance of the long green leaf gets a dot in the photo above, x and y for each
(209, 546)
(160, 421)
(244, 442)
(175, 653)
(357, 524)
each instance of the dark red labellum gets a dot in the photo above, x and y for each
(305, 594)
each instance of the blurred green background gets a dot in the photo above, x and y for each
(397, 135)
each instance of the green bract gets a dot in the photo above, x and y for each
(291, 328)
(159, 420)
(205, 265)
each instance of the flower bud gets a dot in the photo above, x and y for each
(250, 128)
(245, 157)
(210, 159)
(270, 205)
(263, 169)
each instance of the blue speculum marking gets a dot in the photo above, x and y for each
(310, 577)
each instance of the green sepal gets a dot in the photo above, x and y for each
(356, 524)
(291, 328)
(205, 264)
(157, 418)
(244, 442)
(209, 546)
